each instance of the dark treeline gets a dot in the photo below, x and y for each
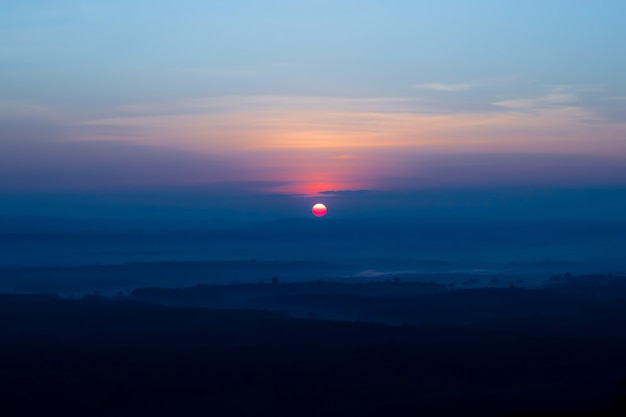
(391, 301)
(116, 277)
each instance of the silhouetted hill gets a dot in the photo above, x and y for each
(97, 357)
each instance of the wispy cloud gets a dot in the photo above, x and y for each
(442, 87)
(17, 109)
(344, 125)
(542, 102)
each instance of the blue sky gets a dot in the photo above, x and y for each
(300, 97)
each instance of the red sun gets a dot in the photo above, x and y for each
(319, 210)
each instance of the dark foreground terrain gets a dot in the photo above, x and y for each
(124, 357)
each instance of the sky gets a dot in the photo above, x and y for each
(302, 98)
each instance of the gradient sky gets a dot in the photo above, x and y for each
(300, 97)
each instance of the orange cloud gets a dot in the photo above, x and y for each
(317, 144)
(300, 123)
